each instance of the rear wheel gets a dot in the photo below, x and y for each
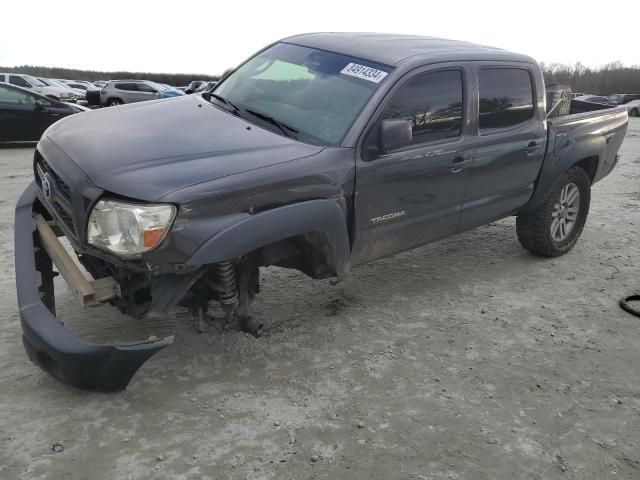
(114, 102)
(633, 112)
(554, 227)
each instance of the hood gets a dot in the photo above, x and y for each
(146, 150)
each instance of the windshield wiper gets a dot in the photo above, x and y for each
(288, 130)
(223, 100)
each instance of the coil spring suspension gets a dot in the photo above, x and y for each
(224, 285)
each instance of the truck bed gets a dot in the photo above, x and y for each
(588, 139)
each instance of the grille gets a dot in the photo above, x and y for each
(62, 199)
(41, 167)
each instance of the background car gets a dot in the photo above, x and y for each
(32, 83)
(624, 98)
(596, 99)
(193, 87)
(79, 84)
(168, 91)
(25, 115)
(75, 94)
(117, 92)
(207, 86)
(629, 100)
(633, 107)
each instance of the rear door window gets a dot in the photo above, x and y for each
(126, 86)
(506, 98)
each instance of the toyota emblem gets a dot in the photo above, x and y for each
(46, 188)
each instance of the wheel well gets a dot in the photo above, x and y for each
(309, 253)
(589, 165)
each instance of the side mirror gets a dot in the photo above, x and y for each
(395, 134)
(39, 105)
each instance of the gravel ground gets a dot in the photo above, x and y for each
(468, 358)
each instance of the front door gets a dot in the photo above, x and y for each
(413, 195)
(17, 115)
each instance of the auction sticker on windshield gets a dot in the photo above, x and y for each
(366, 73)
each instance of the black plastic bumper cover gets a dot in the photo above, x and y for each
(49, 344)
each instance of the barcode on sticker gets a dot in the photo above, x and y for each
(366, 73)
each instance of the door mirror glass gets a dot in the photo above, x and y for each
(395, 134)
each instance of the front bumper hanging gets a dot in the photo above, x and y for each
(90, 366)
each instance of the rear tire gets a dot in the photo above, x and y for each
(554, 227)
(114, 102)
(634, 112)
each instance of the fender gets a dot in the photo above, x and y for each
(320, 216)
(565, 151)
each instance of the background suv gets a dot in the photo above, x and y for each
(117, 92)
(35, 85)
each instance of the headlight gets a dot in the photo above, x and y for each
(127, 228)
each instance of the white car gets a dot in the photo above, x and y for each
(633, 108)
(629, 100)
(76, 94)
(78, 84)
(35, 85)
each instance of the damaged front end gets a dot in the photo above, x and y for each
(47, 342)
(136, 288)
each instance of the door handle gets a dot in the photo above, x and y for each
(531, 149)
(457, 165)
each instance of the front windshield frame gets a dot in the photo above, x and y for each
(366, 90)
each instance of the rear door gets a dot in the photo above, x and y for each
(126, 91)
(412, 195)
(509, 142)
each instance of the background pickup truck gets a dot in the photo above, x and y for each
(320, 153)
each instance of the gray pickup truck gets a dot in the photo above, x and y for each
(320, 153)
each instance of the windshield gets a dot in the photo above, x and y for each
(316, 94)
(157, 86)
(34, 81)
(59, 84)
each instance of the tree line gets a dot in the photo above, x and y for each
(176, 79)
(611, 78)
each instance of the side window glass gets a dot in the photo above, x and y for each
(506, 98)
(433, 103)
(19, 81)
(14, 97)
(143, 87)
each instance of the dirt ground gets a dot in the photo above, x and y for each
(465, 359)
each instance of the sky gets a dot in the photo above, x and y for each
(208, 37)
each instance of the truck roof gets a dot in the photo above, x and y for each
(392, 49)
